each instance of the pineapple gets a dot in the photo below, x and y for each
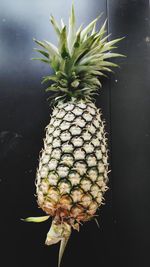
(73, 166)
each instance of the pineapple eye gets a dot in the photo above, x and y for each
(94, 190)
(100, 180)
(75, 130)
(96, 123)
(77, 141)
(45, 158)
(76, 211)
(69, 117)
(85, 184)
(91, 161)
(44, 187)
(50, 129)
(49, 139)
(99, 197)
(77, 111)
(56, 142)
(80, 122)
(87, 116)
(69, 107)
(86, 200)
(74, 178)
(92, 208)
(88, 147)
(56, 123)
(86, 136)
(93, 174)
(82, 105)
(64, 125)
(52, 164)
(79, 154)
(48, 148)
(56, 154)
(95, 142)
(91, 110)
(65, 136)
(76, 195)
(64, 187)
(98, 154)
(67, 148)
(91, 128)
(44, 171)
(80, 167)
(52, 178)
(60, 114)
(65, 201)
(62, 171)
(55, 111)
(101, 167)
(53, 194)
(67, 160)
(57, 132)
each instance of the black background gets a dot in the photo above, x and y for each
(124, 235)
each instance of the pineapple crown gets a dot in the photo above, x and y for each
(79, 61)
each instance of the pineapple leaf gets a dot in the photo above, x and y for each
(63, 244)
(79, 29)
(80, 59)
(89, 27)
(36, 219)
(102, 29)
(62, 23)
(110, 55)
(42, 52)
(61, 74)
(41, 59)
(105, 38)
(108, 45)
(55, 63)
(94, 29)
(55, 25)
(71, 30)
(52, 49)
(63, 44)
(107, 63)
(51, 88)
(39, 42)
(50, 78)
(106, 69)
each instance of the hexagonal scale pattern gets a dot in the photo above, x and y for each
(72, 175)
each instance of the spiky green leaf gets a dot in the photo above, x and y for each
(81, 57)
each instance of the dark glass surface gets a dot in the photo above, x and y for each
(124, 235)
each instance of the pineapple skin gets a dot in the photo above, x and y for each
(73, 166)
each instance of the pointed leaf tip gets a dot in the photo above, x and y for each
(63, 244)
(55, 25)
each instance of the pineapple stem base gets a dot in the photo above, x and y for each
(58, 232)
